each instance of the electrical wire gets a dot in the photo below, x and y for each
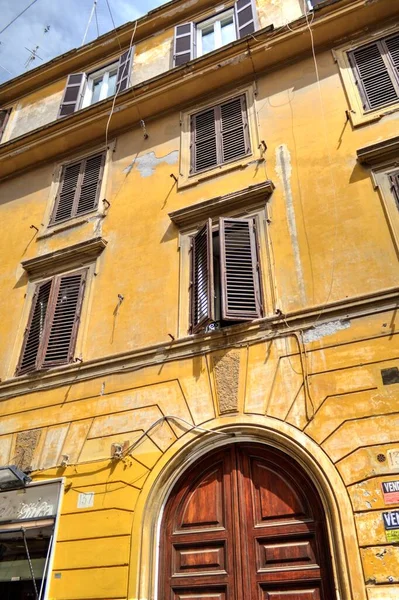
(88, 24)
(17, 17)
(113, 23)
(120, 83)
(96, 16)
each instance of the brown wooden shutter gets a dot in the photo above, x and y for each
(124, 70)
(394, 179)
(392, 46)
(184, 44)
(79, 188)
(4, 116)
(92, 173)
(202, 286)
(205, 152)
(241, 296)
(374, 76)
(246, 17)
(72, 94)
(63, 208)
(234, 129)
(35, 330)
(63, 318)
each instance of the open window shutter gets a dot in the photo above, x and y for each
(124, 70)
(91, 183)
(394, 179)
(392, 45)
(234, 129)
(372, 76)
(34, 332)
(204, 146)
(64, 318)
(246, 17)
(241, 299)
(72, 94)
(67, 192)
(184, 44)
(4, 116)
(201, 285)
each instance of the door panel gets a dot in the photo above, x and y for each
(245, 523)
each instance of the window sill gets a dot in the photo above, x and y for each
(76, 222)
(243, 163)
(364, 118)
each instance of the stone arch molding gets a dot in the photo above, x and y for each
(348, 573)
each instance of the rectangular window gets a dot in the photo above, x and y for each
(100, 85)
(50, 336)
(84, 89)
(4, 116)
(216, 32)
(394, 181)
(376, 70)
(219, 135)
(192, 40)
(225, 276)
(79, 188)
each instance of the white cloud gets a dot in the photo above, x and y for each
(67, 19)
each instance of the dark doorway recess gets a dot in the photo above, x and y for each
(245, 523)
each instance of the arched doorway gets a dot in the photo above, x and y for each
(245, 523)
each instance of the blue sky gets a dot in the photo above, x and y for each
(67, 19)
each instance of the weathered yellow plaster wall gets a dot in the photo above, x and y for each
(328, 241)
(152, 57)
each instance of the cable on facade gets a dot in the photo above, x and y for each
(17, 17)
(118, 88)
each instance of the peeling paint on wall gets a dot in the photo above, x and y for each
(284, 170)
(147, 163)
(320, 331)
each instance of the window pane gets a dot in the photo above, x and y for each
(228, 31)
(111, 83)
(96, 90)
(208, 39)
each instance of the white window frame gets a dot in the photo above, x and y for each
(216, 21)
(104, 73)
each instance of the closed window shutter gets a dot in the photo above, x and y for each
(63, 208)
(72, 94)
(35, 330)
(92, 173)
(4, 116)
(204, 143)
(234, 129)
(124, 70)
(64, 318)
(79, 188)
(246, 17)
(219, 134)
(394, 179)
(184, 44)
(241, 297)
(201, 285)
(374, 76)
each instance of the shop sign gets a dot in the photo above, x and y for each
(31, 502)
(391, 524)
(390, 490)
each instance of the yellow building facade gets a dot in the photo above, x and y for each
(199, 256)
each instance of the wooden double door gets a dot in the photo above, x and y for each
(245, 523)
